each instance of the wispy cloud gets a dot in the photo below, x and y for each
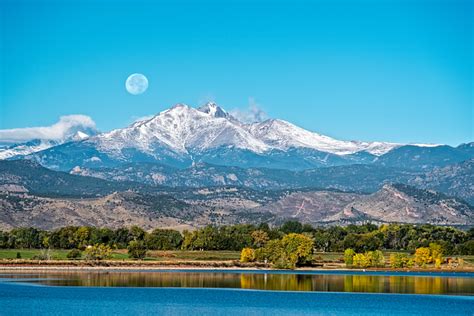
(252, 114)
(65, 127)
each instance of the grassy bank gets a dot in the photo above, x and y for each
(121, 254)
(177, 258)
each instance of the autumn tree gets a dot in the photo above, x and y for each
(260, 238)
(360, 261)
(422, 256)
(349, 256)
(98, 252)
(247, 255)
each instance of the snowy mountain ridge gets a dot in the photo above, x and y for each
(186, 130)
(182, 136)
(36, 145)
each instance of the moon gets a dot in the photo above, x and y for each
(136, 84)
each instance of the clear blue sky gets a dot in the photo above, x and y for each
(371, 70)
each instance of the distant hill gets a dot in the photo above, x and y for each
(39, 180)
(456, 179)
(393, 203)
(31, 195)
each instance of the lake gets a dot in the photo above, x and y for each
(228, 292)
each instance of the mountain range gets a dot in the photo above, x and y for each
(182, 136)
(187, 167)
(31, 195)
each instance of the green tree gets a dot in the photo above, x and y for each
(74, 254)
(26, 237)
(82, 237)
(466, 248)
(136, 249)
(292, 227)
(163, 239)
(137, 233)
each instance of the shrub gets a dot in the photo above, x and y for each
(247, 255)
(43, 255)
(283, 263)
(18, 255)
(136, 249)
(360, 261)
(400, 260)
(376, 258)
(98, 252)
(349, 256)
(74, 254)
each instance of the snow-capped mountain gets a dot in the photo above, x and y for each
(182, 130)
(182, 135)
(283, 135)
(36, 145)
(185, 130)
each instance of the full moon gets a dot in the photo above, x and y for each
(136, 84)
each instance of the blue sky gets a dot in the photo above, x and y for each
(397, 71)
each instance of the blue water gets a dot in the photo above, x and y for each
(23, 299)
(24, 294)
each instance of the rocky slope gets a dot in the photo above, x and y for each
(456, 179)
(26, 203)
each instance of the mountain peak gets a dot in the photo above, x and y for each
(213, 110)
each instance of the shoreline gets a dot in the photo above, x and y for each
(115, 265)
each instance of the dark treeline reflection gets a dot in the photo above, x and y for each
(264, 281)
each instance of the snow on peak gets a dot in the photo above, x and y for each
(25, 141)
(185, 130)
(284, 135)
(80, 136)
(214, 110)
(182, 130)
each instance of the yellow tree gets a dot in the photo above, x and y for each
(436, 251)
(360, 261)
(247, 255)
(349, 256)
(298, 248)
(422, 256)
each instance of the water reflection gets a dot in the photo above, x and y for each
(262, 281)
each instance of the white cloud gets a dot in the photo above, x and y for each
(252, 114)
(66, 127)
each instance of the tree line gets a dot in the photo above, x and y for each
(359, 238)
